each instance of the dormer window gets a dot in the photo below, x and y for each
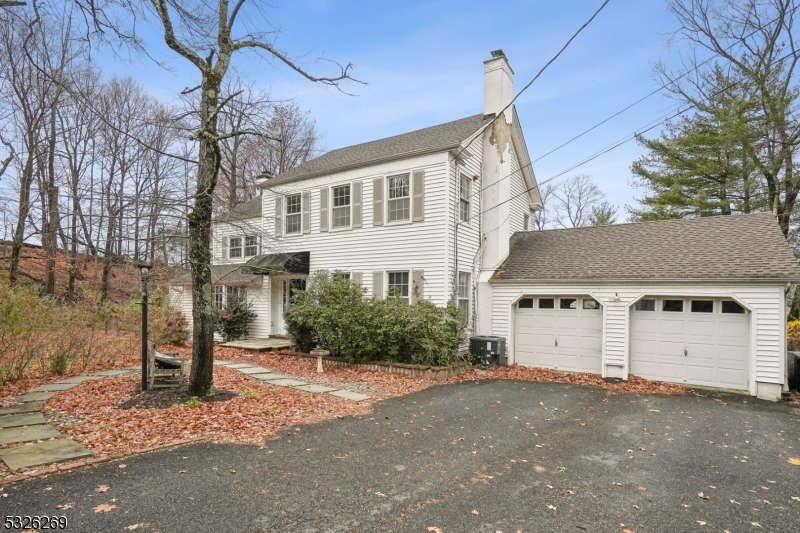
(399, 198)
(235, 248)
(293, 214)
(341, 206)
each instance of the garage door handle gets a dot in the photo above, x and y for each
(556, 343)
(685, 352)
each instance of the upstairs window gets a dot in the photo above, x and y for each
(250, 246)
(398, 285)
(465, 194)
(235, 248)
(463, 292)
(293, 214)
(399, 199)
(341, 207)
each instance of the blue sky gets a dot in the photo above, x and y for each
(423, 65)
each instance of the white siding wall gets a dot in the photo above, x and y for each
(402, 246)
(767, 331)
(467, 243)
(520, 199)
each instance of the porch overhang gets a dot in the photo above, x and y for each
(289, 263)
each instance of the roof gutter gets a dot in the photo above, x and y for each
(275, 182)
(649, 281)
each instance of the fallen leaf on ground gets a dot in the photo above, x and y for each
(627, 531)
(655, 410)
(103, 508)
(102, 488)
(794, 461)
(123, 466)
(703, 496)
(553, 507)
(475, 512)
(141, 525)
(65, 506)
(382, 495)
(701, 522)
(435, 529)
(796, 498)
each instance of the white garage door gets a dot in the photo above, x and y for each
(561, 333)
(693, 341)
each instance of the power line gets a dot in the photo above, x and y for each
(541, 71)
(612, 146)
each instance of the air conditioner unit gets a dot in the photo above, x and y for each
(488, 350)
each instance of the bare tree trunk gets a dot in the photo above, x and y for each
(49, 229)
(202, 376)
(24, 209)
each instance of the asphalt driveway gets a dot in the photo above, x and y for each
(495, 456)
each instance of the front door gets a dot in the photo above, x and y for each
(282, 289)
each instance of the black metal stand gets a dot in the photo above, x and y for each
(144, 270)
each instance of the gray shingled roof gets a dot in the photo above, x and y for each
(711, 248)
(245, 210)
(229, 274)
(428, 140)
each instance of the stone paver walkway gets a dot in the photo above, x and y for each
(44, 444)
(24, 423)
(273, 378)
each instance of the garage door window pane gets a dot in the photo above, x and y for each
(568, 303)
(589, 303)
(526, 303)
(645, 305)
(702, 306)
(732, 307)
(547, 303)
(673, 306)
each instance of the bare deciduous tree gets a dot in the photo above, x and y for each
(575, 200)
(206, 34)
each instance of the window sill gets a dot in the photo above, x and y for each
(342, 228)
(398, 222)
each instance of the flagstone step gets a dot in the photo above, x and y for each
(28, 434)
(27, 407)
(55, 387)
(26, 419)
(43, 453)
(35, 396)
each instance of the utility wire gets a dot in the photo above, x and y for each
(612, 146)
(541, 71)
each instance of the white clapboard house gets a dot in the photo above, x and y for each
(445, 213)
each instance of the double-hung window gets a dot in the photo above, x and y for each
(236, 294)
(399, 198)
(250, 245)
(465, 194)
(219, 298)
(341, 206)
(293, 214)
(463, 291)
(235, 247)
(398, 285)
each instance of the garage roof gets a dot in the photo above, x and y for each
(735, 247)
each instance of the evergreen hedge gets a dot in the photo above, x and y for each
(335, 314)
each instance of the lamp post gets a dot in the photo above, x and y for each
(144, 273)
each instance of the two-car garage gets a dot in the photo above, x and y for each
(697, 341)
(693, 301)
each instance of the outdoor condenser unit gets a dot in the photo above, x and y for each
(488, 350)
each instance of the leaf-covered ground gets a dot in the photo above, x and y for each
(113, 417)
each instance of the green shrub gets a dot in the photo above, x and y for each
(335, 314)
(234, 321)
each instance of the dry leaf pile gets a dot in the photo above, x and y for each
(522, 373)
(115, 417)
